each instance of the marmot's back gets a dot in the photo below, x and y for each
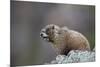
(77, 41)
(71, 40)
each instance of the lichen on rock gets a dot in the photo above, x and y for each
(75, 56)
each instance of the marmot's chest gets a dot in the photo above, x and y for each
(60, 41)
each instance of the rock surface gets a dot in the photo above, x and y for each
(75, 56)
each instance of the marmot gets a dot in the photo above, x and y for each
(64, 39)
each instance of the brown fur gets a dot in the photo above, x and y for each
(67, 40)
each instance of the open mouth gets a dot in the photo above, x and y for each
(44, 36)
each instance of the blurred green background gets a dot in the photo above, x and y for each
(27, 20)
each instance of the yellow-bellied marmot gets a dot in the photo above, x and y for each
(64, 39)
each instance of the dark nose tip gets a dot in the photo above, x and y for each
(41, 34)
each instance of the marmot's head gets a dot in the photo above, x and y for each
(49, 32)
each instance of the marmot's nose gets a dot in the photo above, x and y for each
(41, 35)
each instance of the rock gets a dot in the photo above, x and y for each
(75, 56)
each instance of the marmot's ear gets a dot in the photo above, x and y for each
(53, 27)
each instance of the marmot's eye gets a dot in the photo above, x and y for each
(53, 27)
